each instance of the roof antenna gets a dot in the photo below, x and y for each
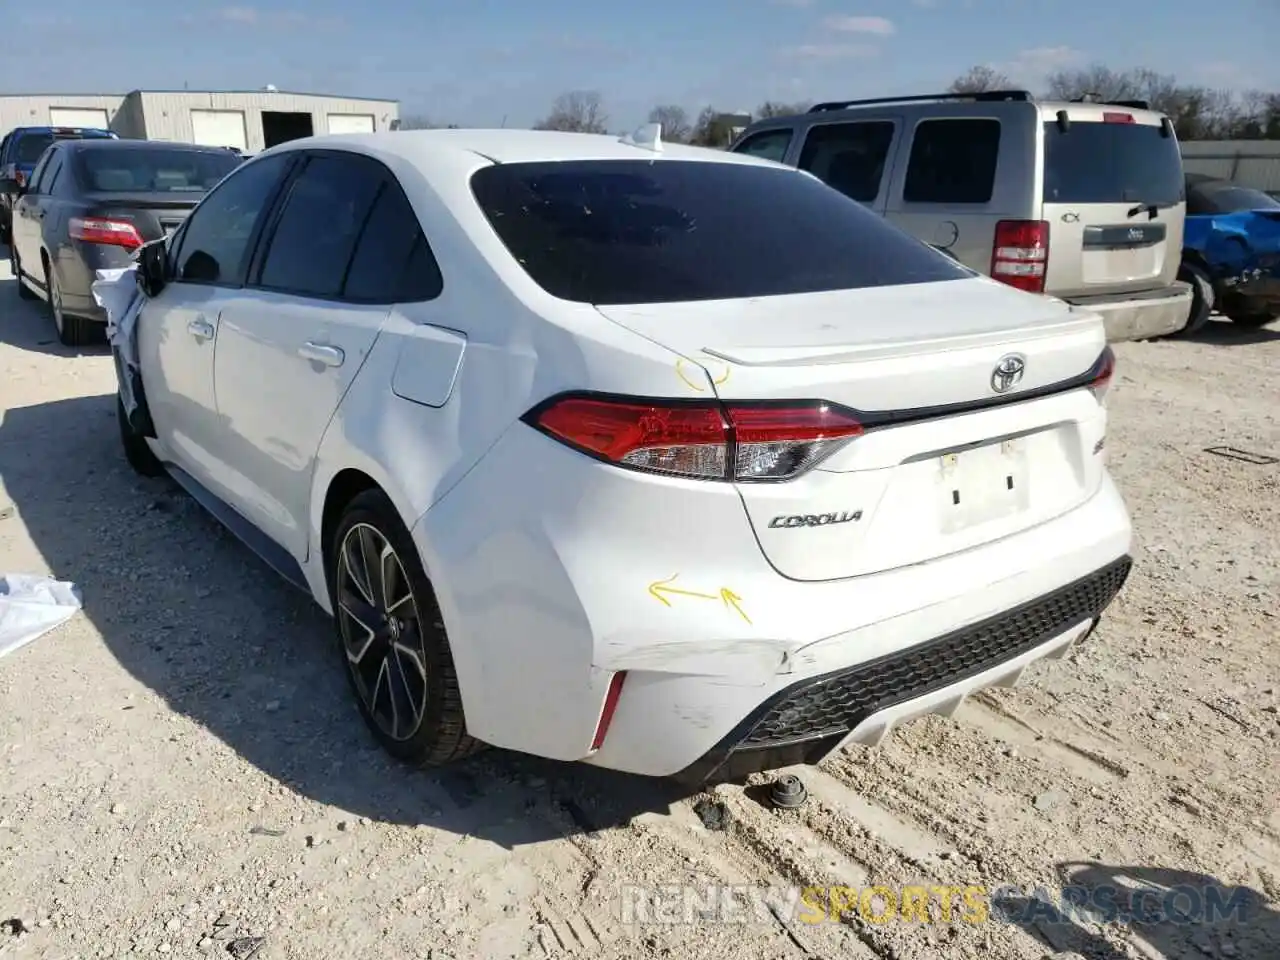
(647, 137)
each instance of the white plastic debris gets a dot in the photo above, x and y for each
(117, 292)
(31, 606)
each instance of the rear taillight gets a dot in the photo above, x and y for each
(1021, 254)
(116, 233)
(1109, 117)
(1102, 373)
(699, 439)
(20, 178)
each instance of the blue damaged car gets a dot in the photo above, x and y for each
(1231, 252)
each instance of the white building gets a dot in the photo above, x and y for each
(1253, 163)
(249, 120)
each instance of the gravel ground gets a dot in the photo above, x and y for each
(181, 768)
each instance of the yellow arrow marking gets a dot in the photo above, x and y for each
(661, 589)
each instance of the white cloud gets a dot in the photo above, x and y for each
(878, 26)
(239, 15)
(799, 4)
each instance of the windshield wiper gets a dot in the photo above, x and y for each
(1150, 209)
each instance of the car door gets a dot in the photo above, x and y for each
(27, 215)
(289, 349)
(177, 330)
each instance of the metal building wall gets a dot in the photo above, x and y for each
(1253, 163)
(32, 110)
(167, 114)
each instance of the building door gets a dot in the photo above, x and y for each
(351, 123)
(219, 128)
(78, 117)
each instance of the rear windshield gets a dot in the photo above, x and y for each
(30, 146)
(155, 170)
(639, 231)
(1111, 163)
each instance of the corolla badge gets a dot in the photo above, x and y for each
(815, 519)
(1008, 372)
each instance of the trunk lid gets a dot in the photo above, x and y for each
(154, 214)
(1114, 199)
(937, 470)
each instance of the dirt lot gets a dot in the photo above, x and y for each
(181, 767)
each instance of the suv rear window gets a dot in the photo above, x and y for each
(1095, 162)
(639, 231)
(30, 146)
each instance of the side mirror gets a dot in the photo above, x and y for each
(152, 266)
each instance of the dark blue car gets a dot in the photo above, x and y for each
(19, 151)
(1231, 252)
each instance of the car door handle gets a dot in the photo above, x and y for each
(200, 328)
(322, 353)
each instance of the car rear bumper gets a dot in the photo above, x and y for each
(552, 584)
(1141, 316)
(1262, 292)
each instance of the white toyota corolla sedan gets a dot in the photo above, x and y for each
(665, 459)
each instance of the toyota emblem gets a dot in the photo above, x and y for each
(1008, 372)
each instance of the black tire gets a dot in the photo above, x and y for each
(136, 451)
(15, 266)
(1251, 321)
(72, 331)
(439, 735)
(1203, 298)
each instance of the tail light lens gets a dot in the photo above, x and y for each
(116, 233)
(1102, 373)
(20, 178)
(1109, 117)
(1021, 254)
(701, 439)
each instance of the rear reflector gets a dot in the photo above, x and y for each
(704, 440)
(610, 707)
(116, 233)
(1118, 118)
(1021, 254)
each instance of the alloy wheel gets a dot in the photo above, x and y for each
(55, 302)
(381, 631)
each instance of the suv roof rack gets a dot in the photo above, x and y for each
(985, 96)
(1131, 104)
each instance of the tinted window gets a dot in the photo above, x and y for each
(152, 170)
(323, 215)
(218, 232)
(768, 144)
(392, 263)
(636, 231)
(30, 146)
(37, 175)
(1221, 196)
(1111, 163)
(953, 161)
(849, 156)
(52, 172)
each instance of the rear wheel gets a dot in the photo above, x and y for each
(391, 637)
(72, 331)
(136, 451)
(1202, 298)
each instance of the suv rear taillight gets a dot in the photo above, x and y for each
(1020, 255)
(1102, 373)
(20, 178)
(116, 233)
(700, 439)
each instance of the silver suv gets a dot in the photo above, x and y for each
(1083, 201)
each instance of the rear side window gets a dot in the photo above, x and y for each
(638, 231)
(323, 215)
(767, 144)
(392, 263)
(953, 161)
(849, 156)
(1111, 163)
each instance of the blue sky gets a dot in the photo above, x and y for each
(478, 62)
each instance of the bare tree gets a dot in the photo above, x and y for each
(417, 121)
(774, 108)
(578, 111)
(980, 79)
(704, 133)
(676, 127)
